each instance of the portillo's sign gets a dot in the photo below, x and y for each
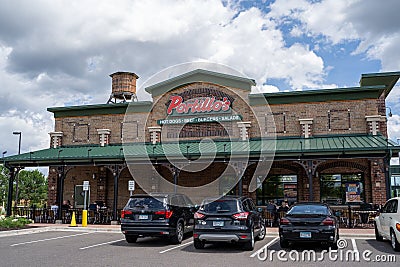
(218, 110)
(197, 105)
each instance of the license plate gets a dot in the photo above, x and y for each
(218, 223)
(143, 217)
(305, 234)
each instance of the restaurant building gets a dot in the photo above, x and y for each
(325, 145)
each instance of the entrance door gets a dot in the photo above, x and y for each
(80, 196)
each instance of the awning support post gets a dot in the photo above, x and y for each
(10, 191)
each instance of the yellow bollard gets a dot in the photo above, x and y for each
(73, 220)
(84, 218)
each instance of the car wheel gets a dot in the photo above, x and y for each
(378, 237)
(283, 243)
(249, 245)
(178, 235)
(262, 233)
(131, 238)
(198, 244)
(393, 241)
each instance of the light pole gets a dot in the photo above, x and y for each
(16, 178)
(390, 111)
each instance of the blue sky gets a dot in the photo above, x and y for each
(58, 53)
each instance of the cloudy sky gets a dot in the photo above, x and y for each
(59, 53)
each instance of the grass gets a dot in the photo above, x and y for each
(13, 223)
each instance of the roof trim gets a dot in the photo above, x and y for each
(322, 95)
(389, 79)
(200, 75)
(101, 109)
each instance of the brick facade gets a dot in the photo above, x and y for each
(328, 118)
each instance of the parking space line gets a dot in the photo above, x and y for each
(263, 248)
(353, 242)
(181, 245)
(101, 244)
(47, 239)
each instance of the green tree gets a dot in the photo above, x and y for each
(32, 187)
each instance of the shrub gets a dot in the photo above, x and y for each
(7, 223)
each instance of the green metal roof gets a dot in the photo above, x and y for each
(330, 146)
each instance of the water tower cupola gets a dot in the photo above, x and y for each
(123, 87)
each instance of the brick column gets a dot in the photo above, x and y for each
(56, 139)
(373, 123)
(104, 136)
(243, 129)
(378, 182)
(155, 133)
(306, 127)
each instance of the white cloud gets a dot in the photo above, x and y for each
(55, 53)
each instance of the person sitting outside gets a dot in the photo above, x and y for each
(54, 210)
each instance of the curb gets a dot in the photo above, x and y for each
(59, 228)
(24, 231)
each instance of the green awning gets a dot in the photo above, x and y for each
(329, 146)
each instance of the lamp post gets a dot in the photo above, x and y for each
(390, 111)
(16, 178)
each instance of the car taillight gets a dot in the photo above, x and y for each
(398, 226)
(328, 221)
(198, 215)
(284, 221)
(241, 215)
(167, 213)
(125, 212)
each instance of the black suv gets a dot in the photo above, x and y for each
(163, 215)
(228, 219)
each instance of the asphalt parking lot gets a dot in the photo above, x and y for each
(90, 248)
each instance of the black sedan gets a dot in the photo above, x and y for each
(309, 222)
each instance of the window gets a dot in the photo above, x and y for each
(339, 189)
(278, 188)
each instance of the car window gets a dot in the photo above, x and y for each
(387, 207)
(219, 206)
(251, 205)
(393, 207)
(246, 206)
(177, 201)
(146, 203)
(189, 203)
(309, 209)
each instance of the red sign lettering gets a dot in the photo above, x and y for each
(197, 105)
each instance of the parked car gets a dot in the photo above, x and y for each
(309, 222)
(228, 219)
(162, 215)
(387, 223)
